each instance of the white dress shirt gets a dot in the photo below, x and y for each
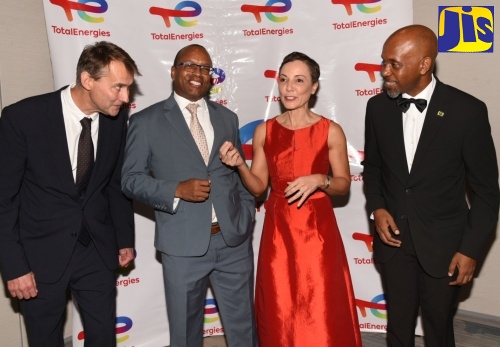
(72, 116)
(204, 119)
(413, 121)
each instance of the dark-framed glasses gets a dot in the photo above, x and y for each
(192, 67)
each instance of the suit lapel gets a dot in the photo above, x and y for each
(58, 144)
(432, 123)
(395, 124)
(217, 125)
(174, 116)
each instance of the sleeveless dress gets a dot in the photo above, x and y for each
(304, 294)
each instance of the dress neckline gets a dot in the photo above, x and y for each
(307, 127)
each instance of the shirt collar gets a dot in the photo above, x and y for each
(424, 94)
(183, 102)
(70, 105)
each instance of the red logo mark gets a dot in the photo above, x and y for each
(363, 305)
(367, 239)
(268, 9)
(347, 3)
(369, 68)
(271, 74)
(68, 5)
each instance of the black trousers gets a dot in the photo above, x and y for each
(407, 288)
(92, 285)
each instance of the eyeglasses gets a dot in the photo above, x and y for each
(192, 67)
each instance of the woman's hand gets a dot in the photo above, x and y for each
(230, 155)
(302, 187)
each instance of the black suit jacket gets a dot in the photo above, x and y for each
(455, 145)
(40, 210)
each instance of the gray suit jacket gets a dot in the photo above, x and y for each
(160, 152)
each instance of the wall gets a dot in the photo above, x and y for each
(25, 70)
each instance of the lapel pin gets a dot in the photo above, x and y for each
(440, 113)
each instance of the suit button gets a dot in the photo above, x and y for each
(74, 234)
(403, 217)
(408, 191)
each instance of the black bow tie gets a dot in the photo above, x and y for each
(404, 104)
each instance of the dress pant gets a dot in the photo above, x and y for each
(93, 287)
(407, 288)
(230, 271)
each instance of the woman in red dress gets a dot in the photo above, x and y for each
(304, 294)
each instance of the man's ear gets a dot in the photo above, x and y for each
(172, 72)
(87, 80)
(425, 65)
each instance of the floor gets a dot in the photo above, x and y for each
(470, 331)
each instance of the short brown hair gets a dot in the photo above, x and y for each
(96, 57)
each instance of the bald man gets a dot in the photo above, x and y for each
(419, 154)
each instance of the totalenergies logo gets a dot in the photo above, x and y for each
(273, 74)
(123, 324)
(246, 135)
(211, 311)
(366, 239)
(375, 305)
(218, 76)
(82, 8)
(186, 9)
(370, 69)
(268, 9)
(360, 4)
(247, 131)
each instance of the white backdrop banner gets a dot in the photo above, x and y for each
(247, 41)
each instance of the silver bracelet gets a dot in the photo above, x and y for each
(327, 182)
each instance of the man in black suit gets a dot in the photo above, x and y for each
(56, 232)
(417, 162)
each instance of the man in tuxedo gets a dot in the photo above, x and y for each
(64, 222)
(204, 215)
(419, 155)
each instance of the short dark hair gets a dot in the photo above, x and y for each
(96, 57)
(183, 48)
(311, 63)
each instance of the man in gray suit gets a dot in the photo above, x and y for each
(204, 215)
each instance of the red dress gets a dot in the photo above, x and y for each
(304, 294)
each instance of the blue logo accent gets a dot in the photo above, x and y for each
(465, 29)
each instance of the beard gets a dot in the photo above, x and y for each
(393, 93)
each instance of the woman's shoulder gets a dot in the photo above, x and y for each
(330, 123)
(268, 122)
